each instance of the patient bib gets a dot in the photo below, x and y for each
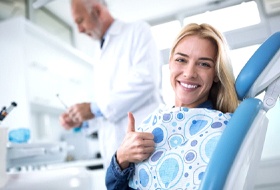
(185, 139)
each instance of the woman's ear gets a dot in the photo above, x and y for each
(216, 79)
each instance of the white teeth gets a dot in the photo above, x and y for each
(188, 85)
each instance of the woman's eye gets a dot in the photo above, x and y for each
(180, 60)
(204, 64)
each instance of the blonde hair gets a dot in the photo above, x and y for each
(222, 93)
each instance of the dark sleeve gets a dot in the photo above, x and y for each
(116, 178)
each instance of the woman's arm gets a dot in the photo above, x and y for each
(116, 178)
(136, 147)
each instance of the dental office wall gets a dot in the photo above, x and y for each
(36, 70)
(35, 67)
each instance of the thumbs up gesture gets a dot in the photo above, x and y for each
(136, 146)
(131, 123)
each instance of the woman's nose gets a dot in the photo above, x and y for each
(190, 71)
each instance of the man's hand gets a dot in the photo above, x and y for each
(136, 146)
(75, 115)
(67, 122)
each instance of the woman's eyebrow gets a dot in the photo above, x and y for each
(207, 59)
(182, 54)
(201, 58)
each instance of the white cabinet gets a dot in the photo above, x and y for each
(35, 67)
(54, 69)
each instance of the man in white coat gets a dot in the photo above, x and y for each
(126, 79)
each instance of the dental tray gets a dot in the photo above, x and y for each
(35, 154)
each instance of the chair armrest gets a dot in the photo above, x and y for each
(228, 146)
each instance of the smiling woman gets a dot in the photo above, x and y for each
(192, 69)
(171, 148)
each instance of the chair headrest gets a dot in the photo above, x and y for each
(260, 70)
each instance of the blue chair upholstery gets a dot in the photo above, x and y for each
(238, 152)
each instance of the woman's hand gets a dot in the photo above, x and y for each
(136, 146)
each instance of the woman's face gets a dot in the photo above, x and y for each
(192, 71)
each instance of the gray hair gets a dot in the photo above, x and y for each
(88, 3)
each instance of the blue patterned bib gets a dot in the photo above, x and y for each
(185, 139)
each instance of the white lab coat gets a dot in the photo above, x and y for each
(126, 78)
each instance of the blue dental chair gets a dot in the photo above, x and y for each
(235, 160)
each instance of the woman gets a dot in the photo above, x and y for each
(171, 148)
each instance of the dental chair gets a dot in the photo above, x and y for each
(235, 161)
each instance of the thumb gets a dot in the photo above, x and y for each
(131, 122)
